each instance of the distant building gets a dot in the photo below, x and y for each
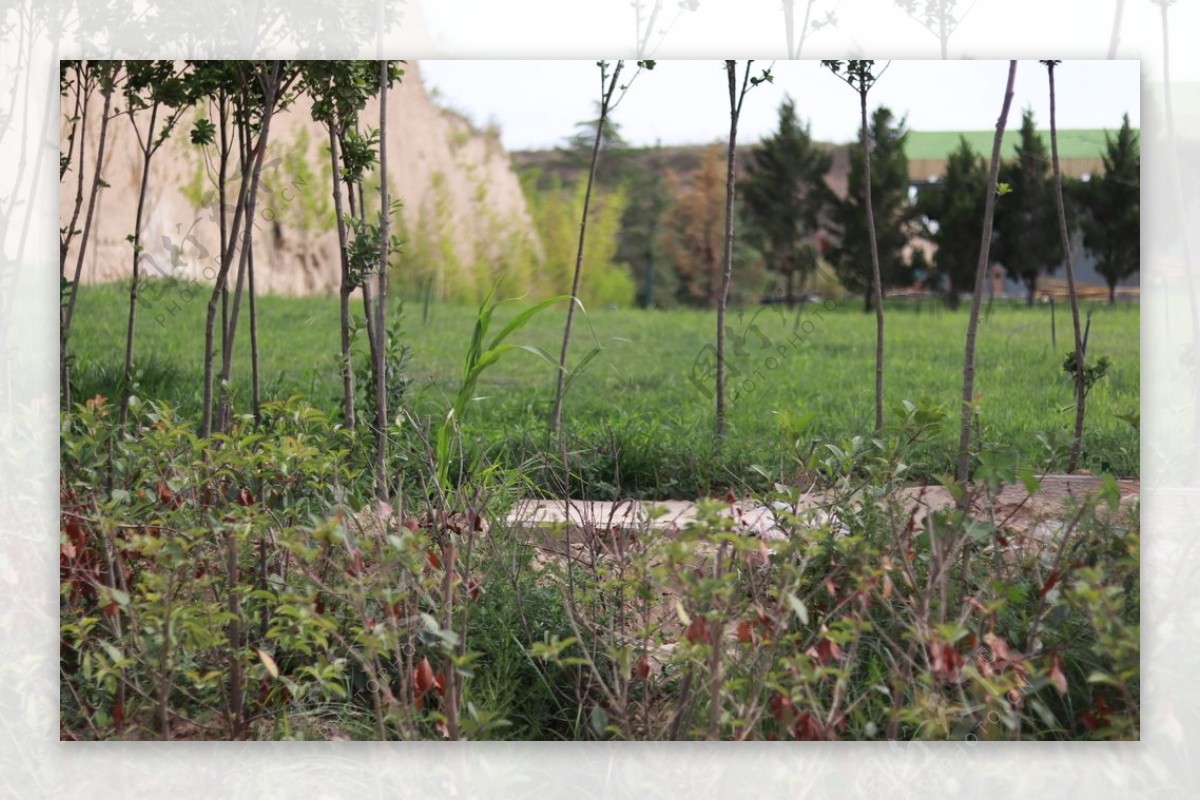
(1080, 154)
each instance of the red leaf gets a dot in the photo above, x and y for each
(730, 498)
(423, 676)
(1050, 582)
(411, 524)
(807, 727)
(946, 662)
(744, 631)
(434, 560)
(826, 651)
(1057, 674)
(782, 709)
(76, 534)
(697, 631)
(474, 587)
(999, 648)
(245, 497)
(642, 669)
(167, 497)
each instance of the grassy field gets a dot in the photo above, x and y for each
(640, 416)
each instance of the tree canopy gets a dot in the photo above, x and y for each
(954, 209)
(786, 197)
(1027, 240)
(1111, 209)
(894, 214)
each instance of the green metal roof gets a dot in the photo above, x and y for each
(1075, 143)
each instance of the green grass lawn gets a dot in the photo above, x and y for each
(639, 423)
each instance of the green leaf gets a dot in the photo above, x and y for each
(799, 608)
(598, 719)
(114, 654)
(268, 663)
(578, 369)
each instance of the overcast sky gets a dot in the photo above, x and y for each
(537, 103)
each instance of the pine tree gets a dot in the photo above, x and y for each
(1111, 209)
(1027, 240)
(894, 215)
(955, 204)
(786, 197)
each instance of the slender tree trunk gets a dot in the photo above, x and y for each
(560, 386)
(131, 326)
(735, 108)
(985, 239)
(346, 288)
(225, 408)
(381, 405)
(225, 397)
(876, 277)
(248, 172)
(83, 92)
(73, 293)
(255, 387)
(222, 169)
(1080, 386)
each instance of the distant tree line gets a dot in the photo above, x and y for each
(799, 236)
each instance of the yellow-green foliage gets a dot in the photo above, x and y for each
(556, 212)
(505, 257)
(292, 192)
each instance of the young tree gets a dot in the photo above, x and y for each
(90, 75)
(786, 197)
(265, 89)
(956, 205)
(889, 143)
(385, 213)
(1065, 237)
(158, 86)
(892, 215)
(340, 91)
(736, 98)
(1027, 242)
(261, 87)
(1111, 206)
(962, 472)
(611, 94)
